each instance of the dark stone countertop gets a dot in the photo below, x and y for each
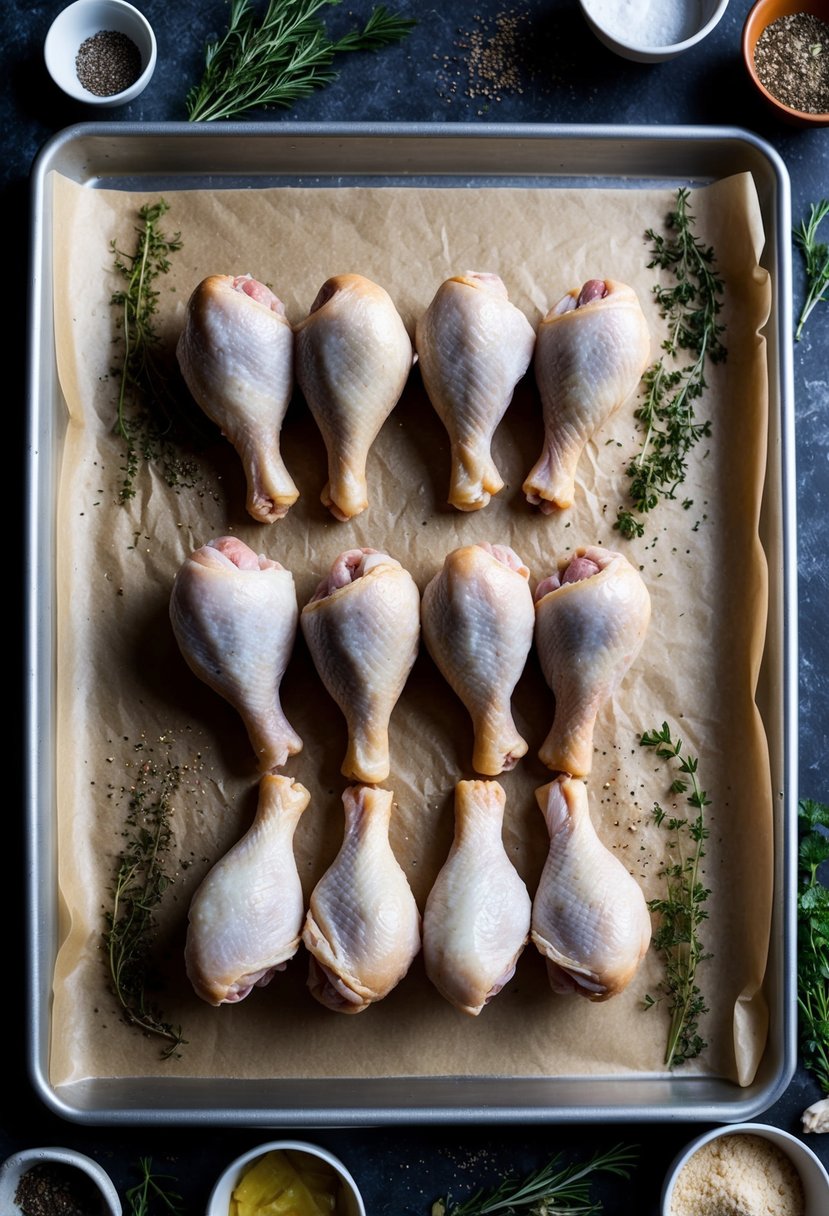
(565, 76)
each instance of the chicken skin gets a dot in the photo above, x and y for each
(477, 917)
(589, 916)
(362, 928)
(362, 627)
(592, 616)
(236, 354)
(477, 618)
(246, 917)
(234, 615)
(473, 347)
(353, 357)
(591, 350)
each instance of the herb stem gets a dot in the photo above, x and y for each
(691, 308)
(681, 909)
(816, 258)
(141, 880)
(813, 940)
(554, 1189)
(280, 55)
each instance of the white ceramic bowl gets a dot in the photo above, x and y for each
(83, 20)
(617, 24)
(350, 1201)
(14, 1167)
(812, 1174)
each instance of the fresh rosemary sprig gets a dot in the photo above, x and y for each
(141, 881)
(666, 416)
(681, 911)
(151, 1187)
(555, 1188)
(813, 940)
(816, 258)
(277, 57)
(150, 417)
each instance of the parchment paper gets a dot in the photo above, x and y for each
(123, 686)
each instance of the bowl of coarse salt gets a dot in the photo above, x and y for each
(746, 1169)
(652, 32)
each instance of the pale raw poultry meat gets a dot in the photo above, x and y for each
(592, 616)
(590, 352)
(353, 358)
(234, 615)
(473, 347)
(362, 627)
(362, 928)
(477, 916)
(245, 920)
(477, 615)
(590, 919)
(236, 354)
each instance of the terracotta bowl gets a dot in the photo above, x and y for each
(761, 15)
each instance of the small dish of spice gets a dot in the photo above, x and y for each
(785, 47)
(652, 32)
(56, 1182)
(746, 1169)
(102, 52)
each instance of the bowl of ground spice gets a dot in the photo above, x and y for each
(101, 52)
(746, 1169)
(56, 1182)
(785, 48)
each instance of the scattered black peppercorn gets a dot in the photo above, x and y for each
(54, 1189)
(107, 63)
(792, 62)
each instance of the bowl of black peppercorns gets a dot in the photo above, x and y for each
(101, 52)
(785, 48)
(47, 1181)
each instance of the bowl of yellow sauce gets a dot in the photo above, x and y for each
(286, 1178)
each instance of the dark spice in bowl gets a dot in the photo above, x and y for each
(107, 63)
(791, 58)
(54, 1189)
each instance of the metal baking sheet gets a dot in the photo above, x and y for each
(171, 155)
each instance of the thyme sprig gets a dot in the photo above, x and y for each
(142, 878)
(555, 1188)
(816, 259)
(276, 57)
(813, 940)
(151, 416)
(153, 1187)
(691, 307)
(680, 910)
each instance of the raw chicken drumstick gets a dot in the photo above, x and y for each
(246, 918)
(477, 916)
(590, 352)
(353, 357)
(589, 917)
(362, 928)
(477, 618)
(473, 346)
(236, 354)
(362, 626)
(234, 615)
(591, 620)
